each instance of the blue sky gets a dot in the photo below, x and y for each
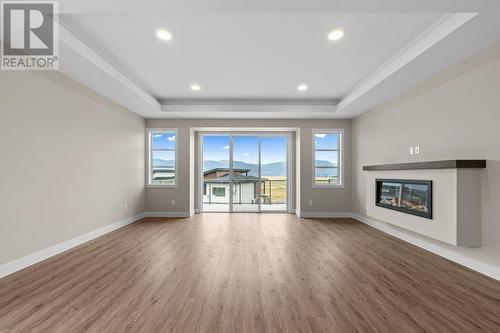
(245, 148)
(163, 140)
(326, 141)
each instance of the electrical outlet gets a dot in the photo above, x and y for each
(310, 202)
(411, 151)
(172, 202)
(417, 150)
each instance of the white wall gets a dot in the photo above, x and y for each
(70, 161)
(455, 115)
(325, 200)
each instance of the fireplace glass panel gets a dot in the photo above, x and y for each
(415, 197)
(408, 196)
(391, 194)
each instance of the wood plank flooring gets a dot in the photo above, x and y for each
(248, 273)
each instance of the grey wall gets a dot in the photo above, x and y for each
(454, 115)
(324, 200)
(70, 161)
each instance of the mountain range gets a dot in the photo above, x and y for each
(269, 169)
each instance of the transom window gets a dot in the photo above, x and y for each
(327, 158)
(162, 158)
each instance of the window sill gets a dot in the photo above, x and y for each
(161, 186)
(329, 186)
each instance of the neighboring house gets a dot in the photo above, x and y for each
(163, 173)
(216, 186)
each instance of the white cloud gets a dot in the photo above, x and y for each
(320, 135)
(171, 138)
(225, 147)
(246, 154)
(157, 136)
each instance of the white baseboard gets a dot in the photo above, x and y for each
(324, 215)
(291, 211)
(31, 259)
(440, 250)
(168, 214)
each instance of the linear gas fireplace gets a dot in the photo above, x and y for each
(406, 196)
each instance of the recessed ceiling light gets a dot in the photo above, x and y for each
(335, 35)
(195, 87)
(163, 34)
(302, 87)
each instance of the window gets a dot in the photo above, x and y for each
(219, 191)
(327, 158)
(162, 158)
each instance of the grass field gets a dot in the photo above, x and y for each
(278, 191)
(326, 180)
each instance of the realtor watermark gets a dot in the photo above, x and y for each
(30, 36)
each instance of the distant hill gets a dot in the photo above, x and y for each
(163, 163)
(270, 169)
(321, 163)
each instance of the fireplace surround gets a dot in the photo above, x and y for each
(453, 205)
(406, 196)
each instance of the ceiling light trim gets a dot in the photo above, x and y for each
(195, 87)
(163, 35)
(335, 35)
(302, 87)
(444, 26)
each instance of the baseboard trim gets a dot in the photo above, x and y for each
(168, 214)
(442, 251)
(31, 259)
(324, 215)
(291, 211)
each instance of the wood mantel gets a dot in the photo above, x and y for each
(447, 164)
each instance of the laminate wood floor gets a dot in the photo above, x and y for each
(248, 273)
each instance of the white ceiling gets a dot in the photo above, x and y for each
(260, 55)
(249, 57)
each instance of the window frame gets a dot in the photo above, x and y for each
(219, 188)
(149, 135)
(340, 150)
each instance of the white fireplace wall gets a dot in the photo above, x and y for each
(449, 187)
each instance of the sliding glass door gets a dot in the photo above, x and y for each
(215, 175)
(274, 177)
(244, 172)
